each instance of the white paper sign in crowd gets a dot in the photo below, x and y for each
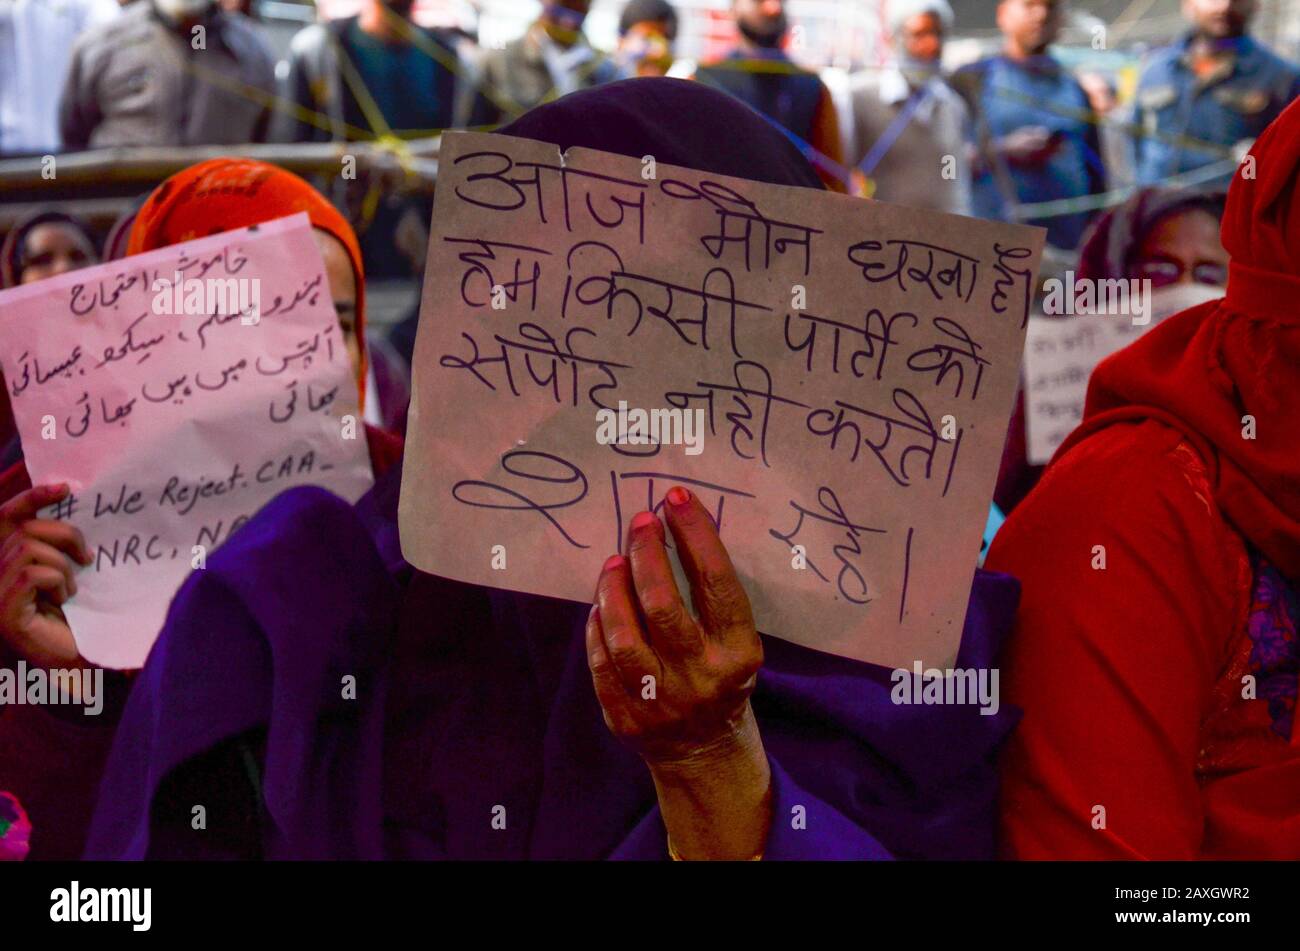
(177, 392)
(1062, 352)
(832, 377)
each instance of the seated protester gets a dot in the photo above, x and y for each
(43, 244)
(1168, 237)
(51, 757)
(1155, 653)
(474, 730)
(227, 193)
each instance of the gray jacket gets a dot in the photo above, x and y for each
(519, 76)
(137, 81)
(918, 141)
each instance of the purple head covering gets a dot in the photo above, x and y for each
(678, 122)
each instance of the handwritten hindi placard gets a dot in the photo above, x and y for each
(1062, 352)
(1060, 355)
(177, 392)
(852, 365)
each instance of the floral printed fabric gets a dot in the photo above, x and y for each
(15, 829)
(1275, 653)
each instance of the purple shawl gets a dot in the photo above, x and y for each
(469, 698)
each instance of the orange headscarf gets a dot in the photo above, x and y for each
(223, 194)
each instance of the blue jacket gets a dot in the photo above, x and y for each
(1005, 95)
(1187, 122)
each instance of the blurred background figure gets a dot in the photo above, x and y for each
(168, 72)
(374, 75)
(646, 31)
(551, 59)
(1112, 128)
(911, 130)
(1214, 89)
(44, 244)
(1170, 237)
(1036, 132)
(36, 38)
(758, 72)
(365, 76)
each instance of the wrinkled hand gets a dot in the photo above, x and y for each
(38, 560)
(674, 688)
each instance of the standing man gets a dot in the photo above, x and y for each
(1213, 90)
(551, 59)
(168, 72)
(910, 128)
(759, 73)
(372, 76)
(646, 32)
(368, 75)
(1036, 132)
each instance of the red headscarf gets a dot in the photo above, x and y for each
(227, 193)
(1205, 369)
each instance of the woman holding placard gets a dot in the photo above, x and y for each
(51, 761)
(367, 709)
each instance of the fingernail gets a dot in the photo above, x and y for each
(643, 520)
(678, 496)
(612, 562)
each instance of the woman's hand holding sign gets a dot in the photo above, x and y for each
(38, 561)
(676, 688)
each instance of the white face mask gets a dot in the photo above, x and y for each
(178, 10)
(1173, 298)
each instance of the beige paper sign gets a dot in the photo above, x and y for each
(832, 377)
(1060, 355)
